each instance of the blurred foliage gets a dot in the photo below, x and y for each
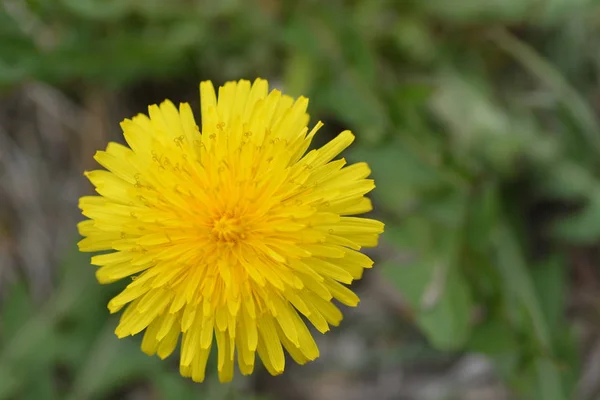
(475, 116)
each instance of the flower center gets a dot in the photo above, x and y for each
(227, 229)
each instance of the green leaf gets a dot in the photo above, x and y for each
(10, 383)
(483, 215)
(477, 10)
(16, 308)
(94, 374)
(433, 286)
(43, 386)
(414, 235)
(496, 339)
(300, 36)
(402, 178)
(546, 73)
(446, 207)
(518, 284)
(357, 49)
(98, 9)
(412, 35)
(550, 279)
(300, 74)
(410, 279)
(493, 337)
(549, 380)
(582, 227)
(356, 104)
(447, 320)
(122, 364)
(172, 386)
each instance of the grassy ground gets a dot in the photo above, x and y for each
(478, 118)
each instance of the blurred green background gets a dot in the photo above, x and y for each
(479, 119)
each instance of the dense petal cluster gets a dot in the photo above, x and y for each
(230, 233)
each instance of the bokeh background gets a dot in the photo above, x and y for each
(480, 121)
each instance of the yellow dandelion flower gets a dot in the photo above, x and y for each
(229, 233)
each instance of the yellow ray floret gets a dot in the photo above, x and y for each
(232, 233)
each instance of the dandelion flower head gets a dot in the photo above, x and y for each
(232, 234)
